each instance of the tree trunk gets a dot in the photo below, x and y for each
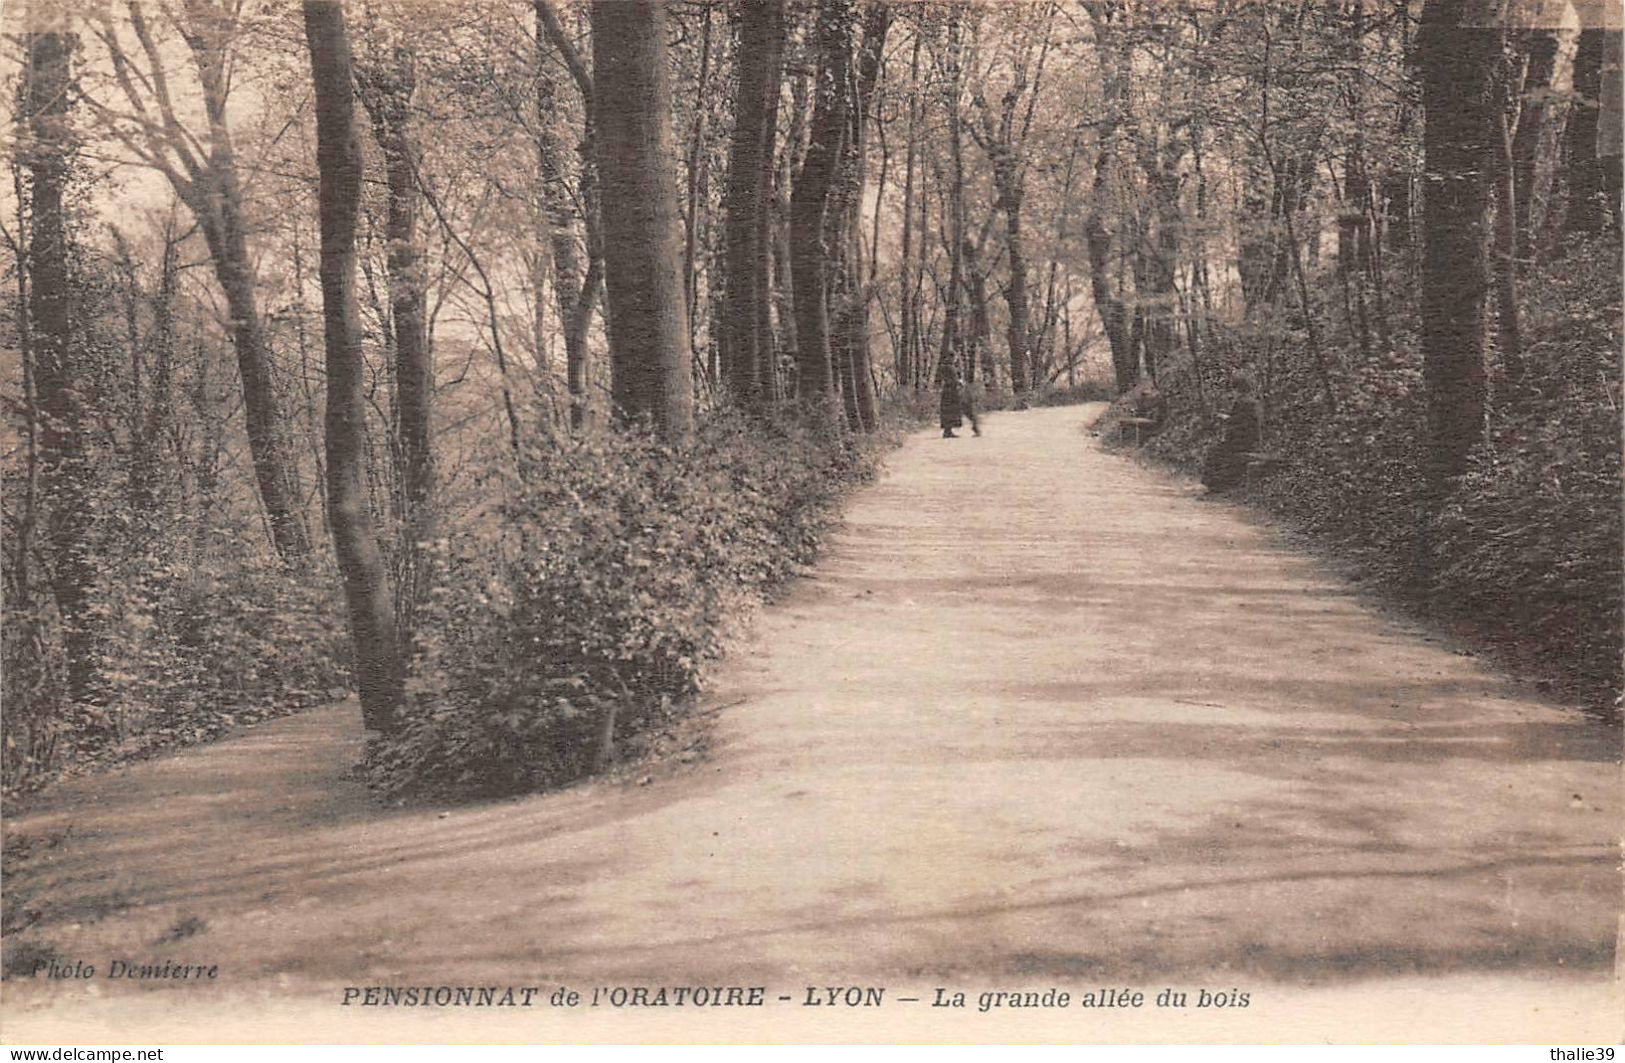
(749, 200)
(1022, 378)
(1005, 147)
(1459, 60)
(1108, 305)
(698, 162)
(921, 354)
(783, 270)
(1398, 181)
(1054, 300)
(216, 200)
(1611, 131)
(1537, 142)
(361, 564)
(1113, 49)
(854, 286)
(387, 95)
(220, 217)
(979, 356)
(572, 293)
(160, 394)
(202, 171)
(1161, 251)
(951, 362)
(64, 477)
(810, 237)
(1500, 165)
(650, 354)
(904, 356)
(1585, 185)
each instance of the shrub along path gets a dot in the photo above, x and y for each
(1038, 718)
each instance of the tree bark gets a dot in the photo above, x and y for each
(810, 236)
(1397, 206)
(361, 564)
(979, 336)
(1108, 305)
(1023, 378)
(64, 476)
(216, 199)
(1459, 59)
(698, 163)
(650, 354)
(574, 292)
(951, 363)
(1156, 259)
(853, 289)
(387, 92)
(1585, 184)
(1537, 142)
(202, 171)
(749, 192)
(1500, 164)
(1004, 141)
(1112, 47)
(904, 357)
(219, 212)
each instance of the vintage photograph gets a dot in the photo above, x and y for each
(947, 521)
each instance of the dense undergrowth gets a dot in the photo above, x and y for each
(192, 635)
(579, 615)
(567, 620)
(1523, 557)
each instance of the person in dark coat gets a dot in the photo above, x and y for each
(948, 406)
(956, 406)
(1226, 464)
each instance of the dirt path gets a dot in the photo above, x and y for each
(1039, 718)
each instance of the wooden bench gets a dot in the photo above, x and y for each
(1139, 424)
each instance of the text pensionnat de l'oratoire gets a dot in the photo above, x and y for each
(448, 996)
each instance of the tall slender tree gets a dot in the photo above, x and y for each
(58, 373)
(1461, 43)
(852, 285)
(1585, 185)
(906, 359)
(1003, 134)
(749, 201)
(1543, 115)
(361, 565)
(1113, 47)
(386, 89)
(650, 354)
(575, 291)
(810, 202)
(203, 171)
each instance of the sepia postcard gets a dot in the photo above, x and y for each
(833, 521)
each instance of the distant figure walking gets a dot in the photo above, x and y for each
(1226, 464)
(956, 406)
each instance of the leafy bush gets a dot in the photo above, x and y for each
(1356, 478)
(1525, 552)
(191, 638)
(1532, 536)
(193, 648)
(586, 605)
